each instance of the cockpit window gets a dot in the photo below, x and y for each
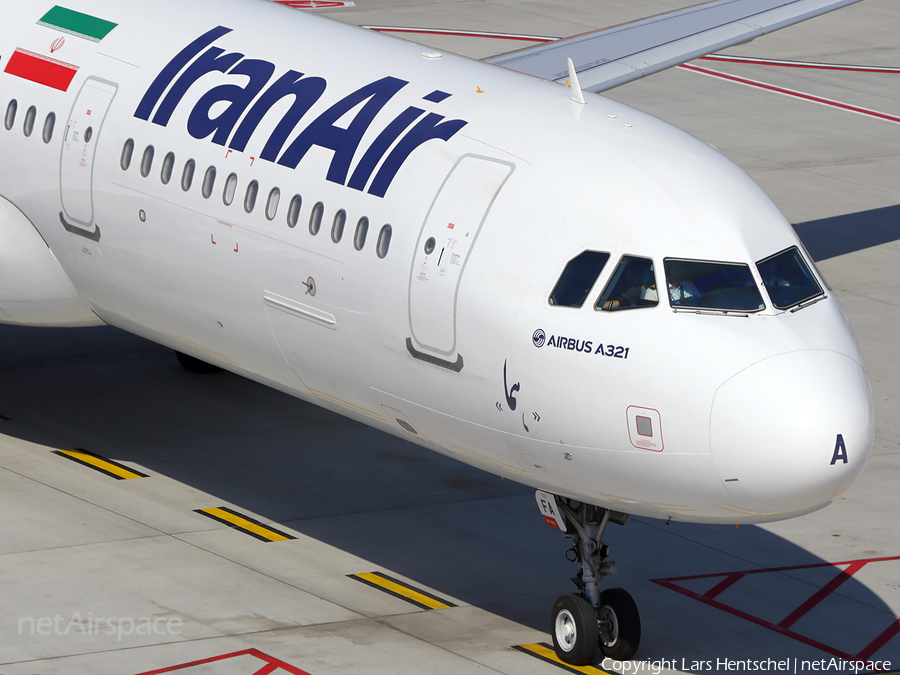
(788, 279)
(725, 287)
(633, 285)
(578, 279)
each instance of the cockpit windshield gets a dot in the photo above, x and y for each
(714, 286)
(632, 285)
(578, 279)
(788, 279)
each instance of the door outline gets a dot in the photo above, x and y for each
(448, 358)
(69, 181)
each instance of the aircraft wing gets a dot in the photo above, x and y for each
(610, 57)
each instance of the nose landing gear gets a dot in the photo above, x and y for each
(590, 619)
(619, 624)
(575, 629)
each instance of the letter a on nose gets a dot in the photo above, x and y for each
(840, 450)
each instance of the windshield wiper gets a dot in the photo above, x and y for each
(806, 304)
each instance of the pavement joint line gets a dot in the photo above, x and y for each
(544, 652)
(245, 524)
(396, 509)
(402, 590)
(80, 498)
(101, 464)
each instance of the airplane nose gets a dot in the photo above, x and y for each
(791, 432)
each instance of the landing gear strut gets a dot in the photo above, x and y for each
(581, 622)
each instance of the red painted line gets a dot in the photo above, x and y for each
(821, 594)
(782, 63)
(853, 566)
(759, 622)
(880, 641)
(799, 64)
(723, 585)
(789, 568)
(461, 33)
(272, 663)
(265, 670)
(794, 93)
(311, 4)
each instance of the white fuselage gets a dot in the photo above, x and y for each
(439, 347)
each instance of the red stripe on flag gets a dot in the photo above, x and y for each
(41, 69)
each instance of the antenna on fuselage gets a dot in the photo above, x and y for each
(577, 94)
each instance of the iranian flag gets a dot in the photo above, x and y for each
(41, 69)
(49, 71)
(75, 23)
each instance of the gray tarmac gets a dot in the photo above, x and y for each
(175, 588)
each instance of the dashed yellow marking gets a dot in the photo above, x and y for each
(245, 524)
(546, 653)
(102, 464)
(402, 590)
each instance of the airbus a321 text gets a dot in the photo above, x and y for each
(477, 257)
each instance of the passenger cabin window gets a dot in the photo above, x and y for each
(315, 218)
(187, 176)
(230, 189)
(11, 110)
(30, 117)
(168, 167)
(384, 241)
(250, 196)
(726, 287)
(146, 160)
(578, 278)
(49, 124)
(127, 154)
(362, 230)
(209, 182)
(337, 227)
(272, 203)
(293, 214)
(633, 285)
(788, 279)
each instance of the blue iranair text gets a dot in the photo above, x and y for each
(248, 103)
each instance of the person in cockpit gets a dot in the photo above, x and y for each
(635, 291)
(682, 292)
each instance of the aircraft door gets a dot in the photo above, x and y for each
(79, 148)
(445, 243)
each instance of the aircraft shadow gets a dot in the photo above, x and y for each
(404, 509)
(839, 235)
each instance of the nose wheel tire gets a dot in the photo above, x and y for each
(619, 624)
(574, 629)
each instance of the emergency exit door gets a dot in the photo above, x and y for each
(445, 244)
(76, 166)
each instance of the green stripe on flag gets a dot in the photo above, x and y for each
(78, 24)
